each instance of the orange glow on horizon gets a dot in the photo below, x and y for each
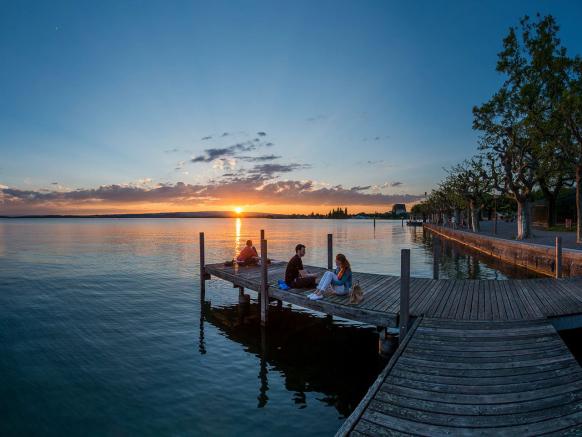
(90, 208)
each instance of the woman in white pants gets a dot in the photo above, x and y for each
(338, 282)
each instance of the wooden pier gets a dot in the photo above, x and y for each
(481, 357)
(474, 378)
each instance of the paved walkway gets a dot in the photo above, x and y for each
(540, 236)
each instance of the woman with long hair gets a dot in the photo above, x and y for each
(338, 282)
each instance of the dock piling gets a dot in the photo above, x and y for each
(202, 268)
(264, 284)
(404, 292)
(558, 263)
(436, 245)
(262, 234)
(329, 251)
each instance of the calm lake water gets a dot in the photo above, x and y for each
(102, 330)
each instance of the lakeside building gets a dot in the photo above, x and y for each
(399, 209)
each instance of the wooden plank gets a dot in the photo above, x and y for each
(351, 421)
(494, 410)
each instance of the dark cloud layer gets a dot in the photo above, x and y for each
(253, 189)
(270, 170)
(261, 158)
(224, 152)
(396, 184)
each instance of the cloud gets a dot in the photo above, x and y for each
(172, 150)
(261, 158)
(209, 137)
(253, 189)
(216, 153)
(361, 188)
(396, 184)
(54, 183)
(224, 164)
(262, 134)
(225, 134)
(269, 144)
(319, 117)
(268, 171)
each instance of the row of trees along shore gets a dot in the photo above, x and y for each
(530, 133)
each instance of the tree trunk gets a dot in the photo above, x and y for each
(523, 219)
(552, 210)
(475, 215)
(578, 204)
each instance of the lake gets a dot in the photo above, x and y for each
(102, 330)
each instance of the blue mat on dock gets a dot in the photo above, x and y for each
(283, 285)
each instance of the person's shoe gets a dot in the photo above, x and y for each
(316, 297)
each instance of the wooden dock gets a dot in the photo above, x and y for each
(482, 357)
(474, 378)
(465, 299)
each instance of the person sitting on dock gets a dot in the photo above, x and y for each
(295, 275)
(248, 256)
(338, 282)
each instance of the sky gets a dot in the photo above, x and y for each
(146, 106)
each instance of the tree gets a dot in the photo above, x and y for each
(570, 110)
(549, 72)
(506, 130)
(473, 183)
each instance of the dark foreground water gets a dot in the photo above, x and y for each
(102, 331)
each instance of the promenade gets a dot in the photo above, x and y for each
(508, 231)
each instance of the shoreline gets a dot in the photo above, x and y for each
(539, 258)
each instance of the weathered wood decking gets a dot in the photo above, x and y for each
(482, 357)
(443, 298)
(474, 378)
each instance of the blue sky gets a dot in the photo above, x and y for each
(358, 94)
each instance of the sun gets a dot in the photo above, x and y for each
(238, 210)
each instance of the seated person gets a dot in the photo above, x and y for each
(338, 282)
(248, 255)
(295, 275)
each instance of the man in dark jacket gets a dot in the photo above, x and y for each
(295, 275)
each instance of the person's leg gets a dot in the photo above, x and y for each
(325, 281)
(340, 290)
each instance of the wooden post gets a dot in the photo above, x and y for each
(435, 257)
(374, 222)
(404, 292)
(329, 251)
(264, 284)
(202, 268)
(262, 234)
(558, 263)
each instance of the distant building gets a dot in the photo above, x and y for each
(399, 209)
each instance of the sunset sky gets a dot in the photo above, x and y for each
(131, 106)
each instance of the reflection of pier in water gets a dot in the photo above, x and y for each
(311, 353)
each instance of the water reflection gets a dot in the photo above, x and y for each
(310, 353)
(461, 262)
(237, 242)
